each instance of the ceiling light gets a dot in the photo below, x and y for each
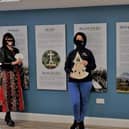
(2, 1)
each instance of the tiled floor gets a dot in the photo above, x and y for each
(44, 125)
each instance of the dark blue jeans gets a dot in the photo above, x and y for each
(79, 93)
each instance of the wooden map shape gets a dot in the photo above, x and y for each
(78, 70)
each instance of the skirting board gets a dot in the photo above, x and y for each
(91, 121)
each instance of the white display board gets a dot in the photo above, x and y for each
(50, 57)
(20, 35)
(21, 42)
(97, 42)
(122, 52)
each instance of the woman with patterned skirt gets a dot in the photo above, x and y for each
(11, 98)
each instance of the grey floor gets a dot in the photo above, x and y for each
(44, 125)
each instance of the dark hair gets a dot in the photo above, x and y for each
(7, 36)
(83, 36)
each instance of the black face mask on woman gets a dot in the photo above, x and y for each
(79, 44)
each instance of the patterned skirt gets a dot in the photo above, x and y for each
(11, 98)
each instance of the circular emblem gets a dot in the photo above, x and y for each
(50, 59)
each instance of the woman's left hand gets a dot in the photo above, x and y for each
(17, 62)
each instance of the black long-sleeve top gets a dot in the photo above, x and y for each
(6, 57)
(85, 54)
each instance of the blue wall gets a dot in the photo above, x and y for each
(58, 102)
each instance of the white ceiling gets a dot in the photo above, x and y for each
(47, 4)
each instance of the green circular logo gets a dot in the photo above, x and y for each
(50, 59)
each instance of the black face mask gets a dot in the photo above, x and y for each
(79, 44)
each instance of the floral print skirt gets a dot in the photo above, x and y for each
(11, 98)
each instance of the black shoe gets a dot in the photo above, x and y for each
(8, 116)
(74, 125)
(10, 123)
(8, 120)
(81, 125)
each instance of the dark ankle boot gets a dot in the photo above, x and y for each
(74, 125)
(81, 125)
(7, 116)
(8, 120)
